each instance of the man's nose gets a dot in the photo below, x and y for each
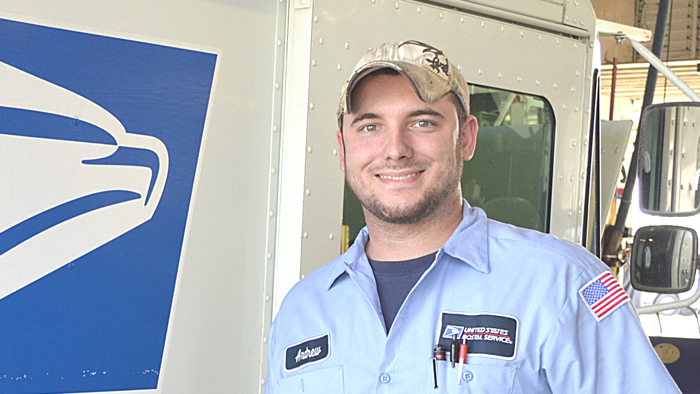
(398, 144)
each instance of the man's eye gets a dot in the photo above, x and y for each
(370, 127)
(422, 123)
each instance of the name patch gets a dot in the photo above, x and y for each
(310, 351)
(487, 334)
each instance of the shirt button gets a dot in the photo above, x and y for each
(385, 378)
(467, 376)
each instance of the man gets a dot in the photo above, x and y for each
(430, 270)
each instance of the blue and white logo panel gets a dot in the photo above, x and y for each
(99, 145)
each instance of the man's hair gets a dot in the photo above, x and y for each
(462, 113)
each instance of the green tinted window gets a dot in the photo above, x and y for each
(509, 175)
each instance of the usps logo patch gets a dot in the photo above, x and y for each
(451, 331)
(308, 352)
(487, 334)
(603, 295)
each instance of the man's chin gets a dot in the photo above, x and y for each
(400, 214)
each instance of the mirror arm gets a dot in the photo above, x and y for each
(659, 65)
(670, 305)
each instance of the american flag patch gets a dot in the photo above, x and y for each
(603, 295)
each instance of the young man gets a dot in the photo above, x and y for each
(537, 314)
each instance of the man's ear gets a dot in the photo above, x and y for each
(469, 131)
(341, 150)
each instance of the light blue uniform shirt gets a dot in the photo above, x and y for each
(515, 291)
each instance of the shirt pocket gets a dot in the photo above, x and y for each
(478, 378)
(319, 381)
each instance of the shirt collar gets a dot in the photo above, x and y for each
(470, 240)
(350, 258)
(468, 243)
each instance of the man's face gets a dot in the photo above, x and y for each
(403, 157)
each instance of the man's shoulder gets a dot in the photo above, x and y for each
(545, 246)
(318, 280)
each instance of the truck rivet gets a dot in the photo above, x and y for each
(537, 82)
(269, 256)
(500, 75)
(316, 18)
(335, 152)
(571, 179)
(320, 41)
(555, 86)
(306, 235)
(267, 298)
(279, 43)
(519, 79)
(459, 67)
(461, 19)
(522, 34)
(312, 106)
(264, 339)
(396, 5)
(313, 63)
(310, 149)
(482, 25)
(418, 9)
(347, 46)
(271, 213)
(573, 143)
(308, 192)
(340, 67)
(263, 379)
(569, 214)
(273, 171)
(479, 71)
(503, 29)
(277, 85)
(274, 128)
(442, 16)
(330, 236)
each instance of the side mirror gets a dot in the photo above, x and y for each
(664, 259)
(669, 159)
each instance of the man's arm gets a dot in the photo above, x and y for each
(612, 355)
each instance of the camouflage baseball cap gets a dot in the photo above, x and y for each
(426, 68)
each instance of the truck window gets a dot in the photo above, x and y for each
(509, 175)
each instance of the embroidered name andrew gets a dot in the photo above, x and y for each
(307, 353)
(310, 351)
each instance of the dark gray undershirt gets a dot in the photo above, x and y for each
(395, 279)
